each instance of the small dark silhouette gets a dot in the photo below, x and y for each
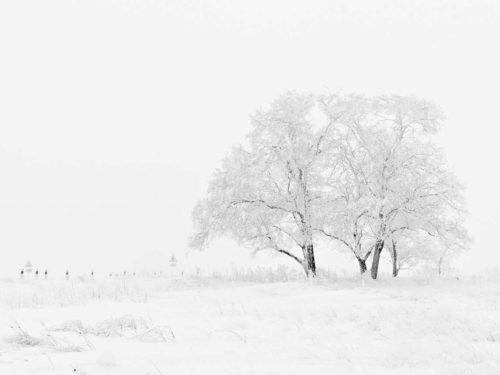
(92, 273)
(67, 274)
(36, 273)
(124, 273)
(46, 274)
(22, 274)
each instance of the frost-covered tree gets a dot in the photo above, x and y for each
(267, 194)
(393, 177)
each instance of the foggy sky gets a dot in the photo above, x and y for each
(113, 114)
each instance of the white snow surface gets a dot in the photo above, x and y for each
(160, 326)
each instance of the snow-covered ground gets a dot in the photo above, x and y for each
(159, 326)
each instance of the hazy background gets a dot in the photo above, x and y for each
(113, 114)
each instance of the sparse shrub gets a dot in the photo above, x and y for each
(62, 293)
(24, 339)
(71, 326)
(122, 326)
(60, 344)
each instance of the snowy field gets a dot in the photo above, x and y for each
(160, 326)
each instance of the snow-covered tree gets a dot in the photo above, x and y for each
(267, 193)
(394, 178)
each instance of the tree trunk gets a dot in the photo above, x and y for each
(362, 265)
(379, 245)
(309, 261)
(395, 269)
(440, 266)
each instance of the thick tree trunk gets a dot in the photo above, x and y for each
(379, 245)
(395, 269)
(362, 265)
(309, 262)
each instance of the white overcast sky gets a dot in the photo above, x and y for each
(113, 114)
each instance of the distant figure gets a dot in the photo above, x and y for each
(36, 274)
(22, 274)
(124, 273)
(111, 274)
(46, 274)
(67, 275)
(92, 274)
(133, 274)
(154, 274)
